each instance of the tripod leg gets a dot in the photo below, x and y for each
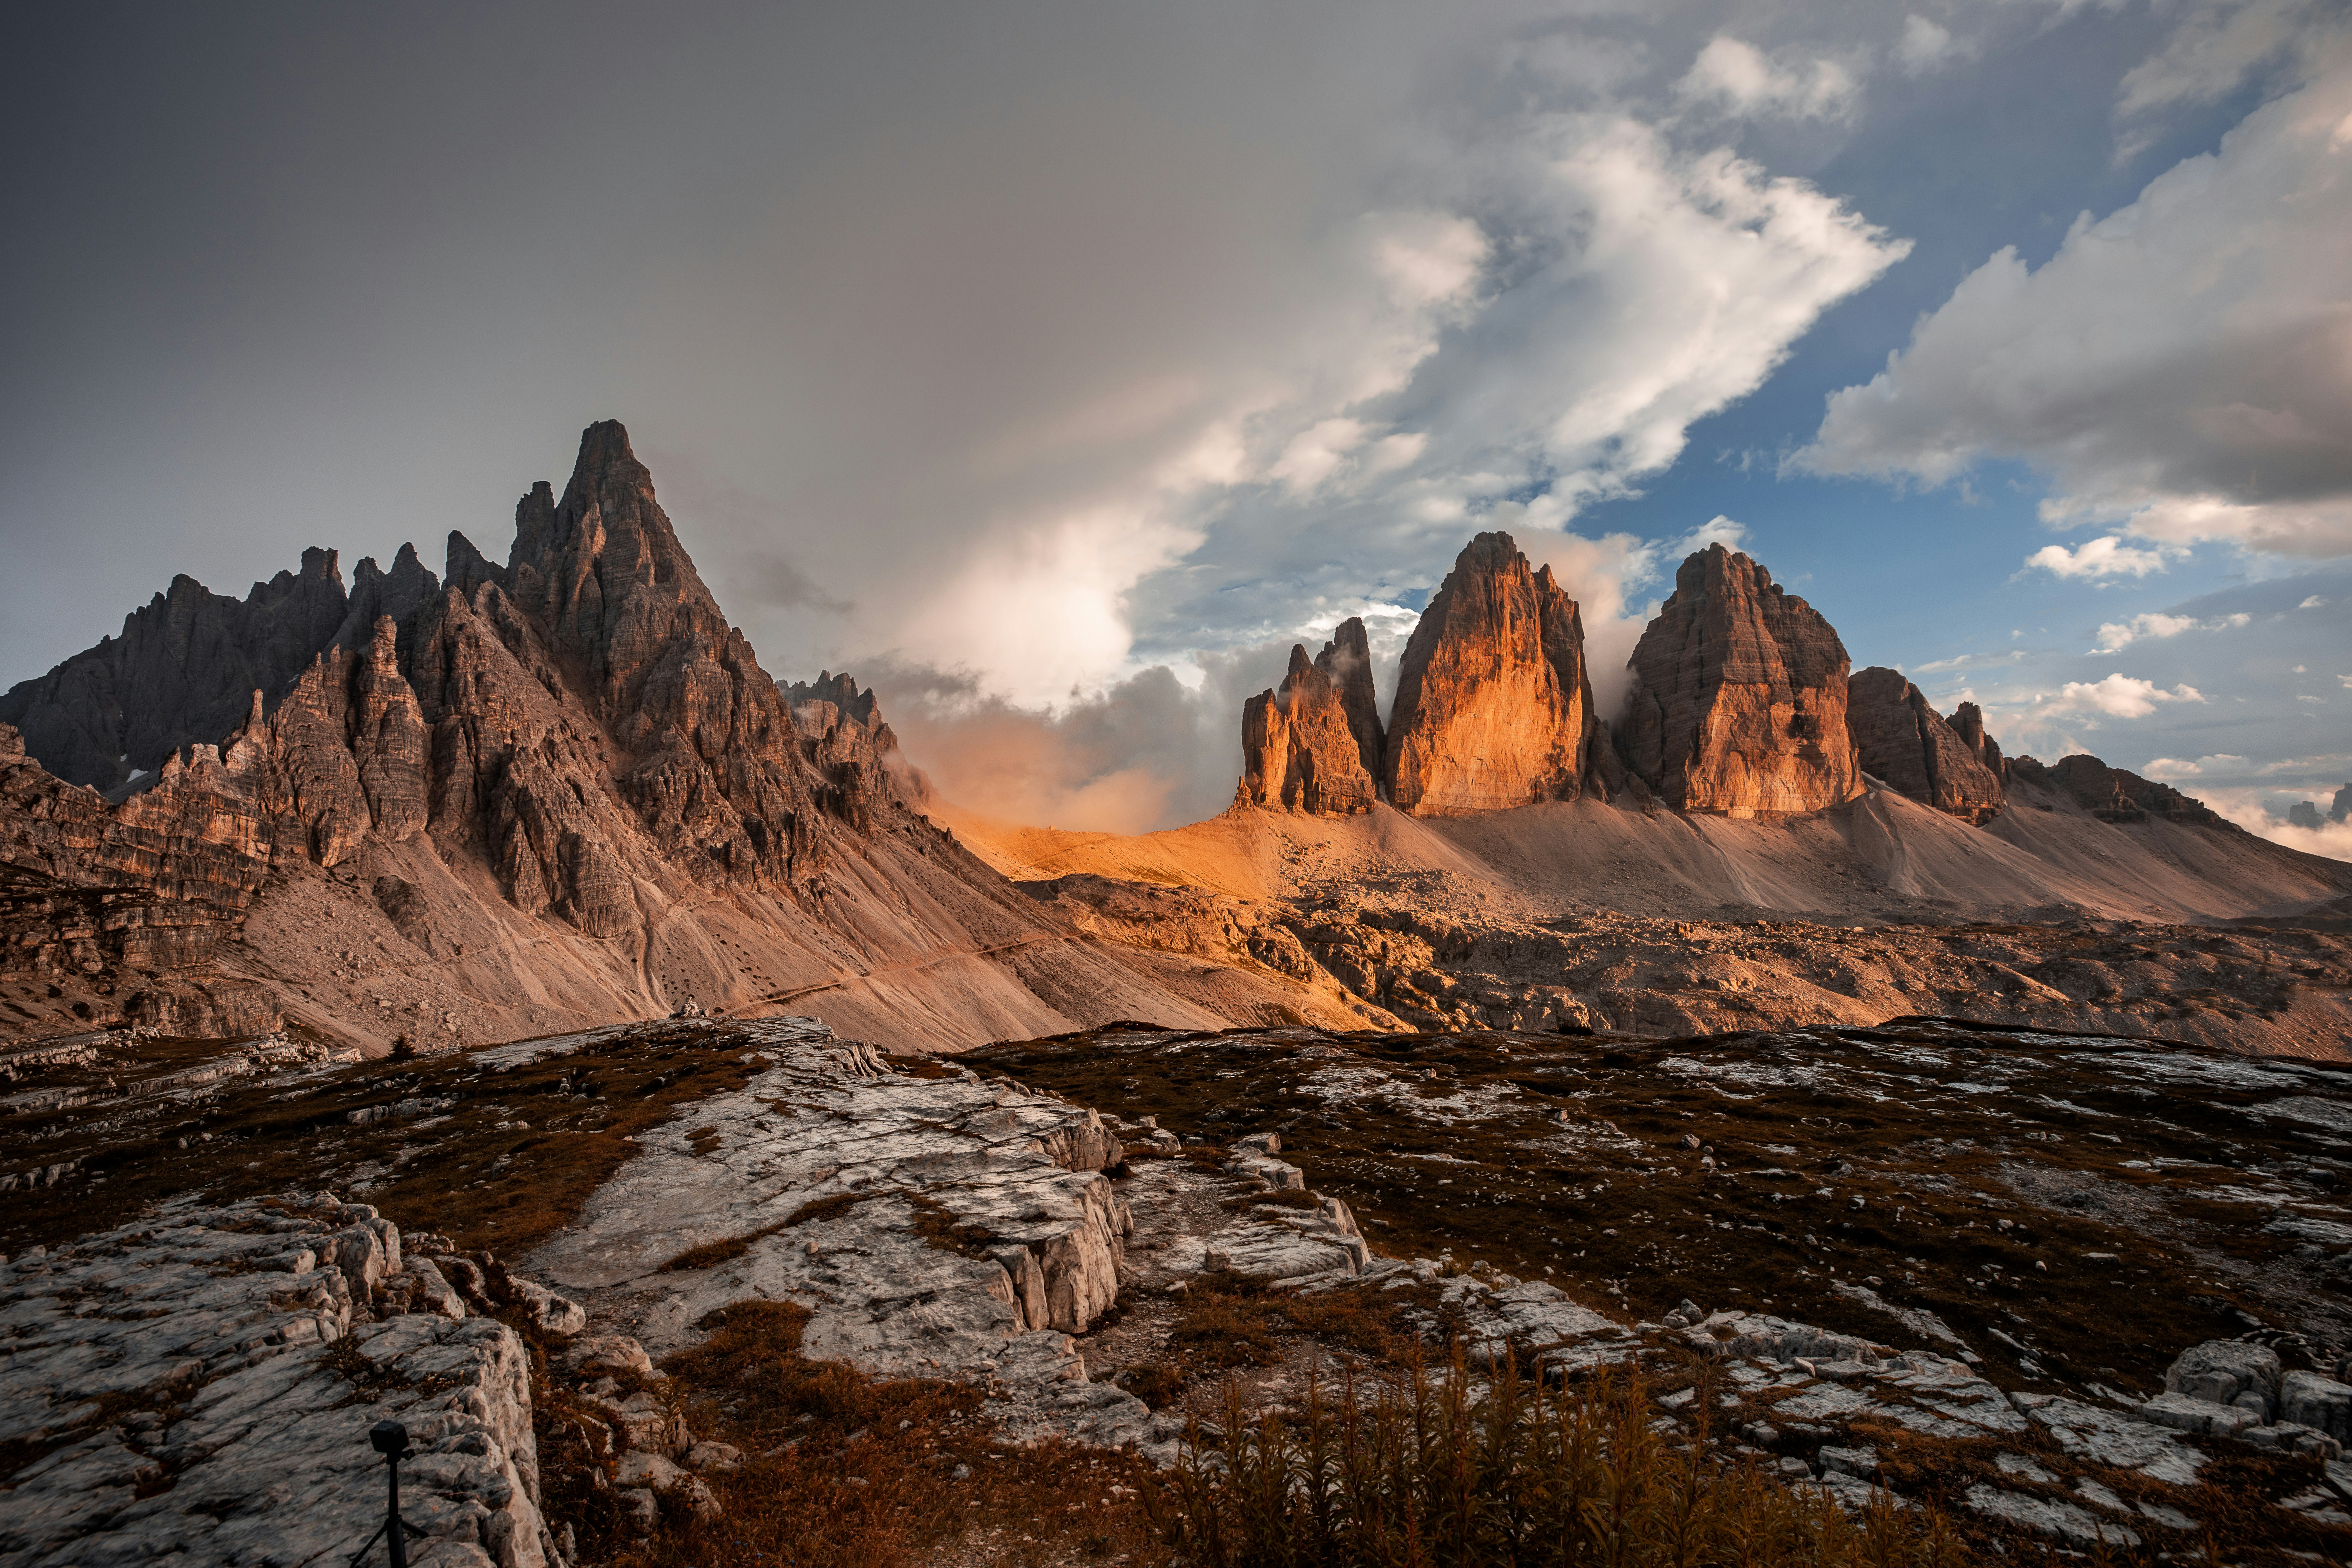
(361, 1555)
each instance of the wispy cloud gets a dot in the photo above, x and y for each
(2115, 635)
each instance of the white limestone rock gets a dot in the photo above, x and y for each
(1534, 1318)
(933, 1226)
(2111, 1437)
(2074, 1526)
(222, 1318)
(2307, 1399)
(2227, 1372)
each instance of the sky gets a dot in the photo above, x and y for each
(1056, 367)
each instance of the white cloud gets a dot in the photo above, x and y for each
(2168, 768)
(2119, 695)
(2182, 367)
(2312, 603)
(2219, 45)
(2262, 810)
(1313, 454)
(2106, 557)
(1924, 45)
(2115, 635)
(1739, 78)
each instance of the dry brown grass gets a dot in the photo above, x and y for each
(1229, 1320)
(848, 1471)
(1455, 1472)
(484, 1184)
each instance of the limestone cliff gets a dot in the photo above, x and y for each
(1299, 751)
(544, 795)
(1968, 724)
(1492, 706)
(1907, 743)
(184, 669)
(1345, 662)
(1738, 702)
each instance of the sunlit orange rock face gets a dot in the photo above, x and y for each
(1738, 703)
(1493, 709)
(1312, 743)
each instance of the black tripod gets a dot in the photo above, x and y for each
(390, 1438)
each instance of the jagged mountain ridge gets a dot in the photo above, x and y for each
(548, 794)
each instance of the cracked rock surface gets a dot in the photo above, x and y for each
(935, 1225)
(201, 1386)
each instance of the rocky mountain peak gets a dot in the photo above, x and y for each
(1492, 706)
(1345, 662)
(842, 698)
(183, 669)
(1739, 696)
(1904, 741)
(603, 571)
(1299, 752)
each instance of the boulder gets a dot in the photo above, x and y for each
(610, 1355)
(554, 1314)
(2227, 1372)
(2322, 1404)
(1908, 744)
(1492, 706)
(1738, 702)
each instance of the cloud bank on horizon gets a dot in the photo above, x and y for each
(1057, 388)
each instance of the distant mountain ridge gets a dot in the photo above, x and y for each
(1742, 705)
(546, 793)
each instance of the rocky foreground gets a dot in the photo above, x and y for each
(2066, 1289)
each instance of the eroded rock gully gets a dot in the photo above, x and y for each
(1860, 1213)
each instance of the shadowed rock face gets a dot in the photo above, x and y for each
(1739, 696)
(1347, 662)
(841, 694)
(1298, 751)
(184, 669)
(2113, 794)
(1968, 724)
(1907, 743)
(1493, 709)
(583, 719)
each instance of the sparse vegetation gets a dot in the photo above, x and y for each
(1456, 1472)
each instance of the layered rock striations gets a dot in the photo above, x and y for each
(1299, 751)
(184, 669)
(1492, 706)
(1345, 662)
(1968, 724)
(1738, 702)
(1904, 741)
(575, 737)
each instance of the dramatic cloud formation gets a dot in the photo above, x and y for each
(2182, 367)
(1058, 370)
(2117, 636)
